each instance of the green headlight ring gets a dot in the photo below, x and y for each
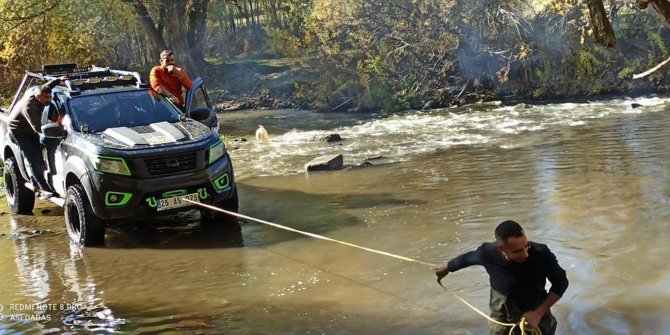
(109, 158)
(221, 183)
(125, 197)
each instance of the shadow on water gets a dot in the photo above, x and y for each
(178, 231)
(314, 213)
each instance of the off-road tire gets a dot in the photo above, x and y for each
(20, 199)
(231, 204)
(83, 227)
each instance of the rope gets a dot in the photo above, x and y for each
(521, 324)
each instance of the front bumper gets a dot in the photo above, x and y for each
(125, 197)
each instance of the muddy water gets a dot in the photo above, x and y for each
(590, 180)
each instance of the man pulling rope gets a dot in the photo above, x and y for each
(518, 270)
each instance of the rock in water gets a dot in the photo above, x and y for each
(330, 138)
(325, 163)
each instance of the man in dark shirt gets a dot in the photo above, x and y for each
(518, 270)
(25, 125)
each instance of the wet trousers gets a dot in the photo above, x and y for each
(32, 151)
(505, 310)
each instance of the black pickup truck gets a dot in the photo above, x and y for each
(114, 151)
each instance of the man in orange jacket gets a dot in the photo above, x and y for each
(168, 79)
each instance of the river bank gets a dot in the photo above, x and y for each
(294, 82)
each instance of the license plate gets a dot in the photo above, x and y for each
(176, 202)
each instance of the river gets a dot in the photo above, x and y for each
(590, 180)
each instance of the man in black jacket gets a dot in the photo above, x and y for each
(518, 270)
(25, 125)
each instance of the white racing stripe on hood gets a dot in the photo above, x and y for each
(167, 129)
(163, 132)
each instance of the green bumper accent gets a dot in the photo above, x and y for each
(151, 201)
(174, 193)
(202, 193)
(117, 199)
(222, 182)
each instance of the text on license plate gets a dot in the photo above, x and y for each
(176, 202)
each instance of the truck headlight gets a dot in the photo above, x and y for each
(106, 164)
(216, 151)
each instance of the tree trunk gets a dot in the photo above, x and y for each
(243, 12)
(251, 12)
(175, 35)
(197, 29)
(231, 19)
(661, 6)
(273, 14)
(601, 25)
(154, 38)
(162, 12)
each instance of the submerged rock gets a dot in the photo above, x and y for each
(330, 138)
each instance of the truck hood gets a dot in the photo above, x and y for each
(155, 134)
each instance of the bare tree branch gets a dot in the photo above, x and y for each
(23, 19)
(650, 71)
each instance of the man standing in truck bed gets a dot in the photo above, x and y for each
(24, 127)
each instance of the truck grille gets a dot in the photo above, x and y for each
(171, 164)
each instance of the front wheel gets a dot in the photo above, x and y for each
(231, 204)
(20, 199)
(83, 226)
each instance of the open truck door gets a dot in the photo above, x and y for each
(199, 107)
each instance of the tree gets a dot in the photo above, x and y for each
(153, 35)
(602, 26)
(184, 24)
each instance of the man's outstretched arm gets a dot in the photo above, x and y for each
(460, 262)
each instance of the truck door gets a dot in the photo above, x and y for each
(198, 100)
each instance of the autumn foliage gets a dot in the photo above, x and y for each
(358, 55)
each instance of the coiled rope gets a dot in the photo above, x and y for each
(521, 325)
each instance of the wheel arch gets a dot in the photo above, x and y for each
(78, 174)
(12, 150)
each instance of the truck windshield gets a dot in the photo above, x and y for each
(120, 109)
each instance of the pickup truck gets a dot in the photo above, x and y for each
(114, 150)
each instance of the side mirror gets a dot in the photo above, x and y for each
(54, 130)
(200, 113)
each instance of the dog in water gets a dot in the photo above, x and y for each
(262, 134)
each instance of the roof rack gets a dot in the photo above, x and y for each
(56, 69)
(94, 77)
